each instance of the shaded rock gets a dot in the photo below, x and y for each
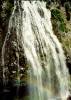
(69, 98)
(68, 61)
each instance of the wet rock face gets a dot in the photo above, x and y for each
(68, 61)
(69, 98)
(41, 12)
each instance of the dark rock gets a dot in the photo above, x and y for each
(68, 62)
(41, 12)
(69, 98)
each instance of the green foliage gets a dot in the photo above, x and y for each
(67, 6)
(67, 10)
(57, 16)
(62, 27)
(8, 8)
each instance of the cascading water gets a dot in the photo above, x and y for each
(48, 75)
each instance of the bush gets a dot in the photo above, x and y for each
(57, 16)
(67, 9)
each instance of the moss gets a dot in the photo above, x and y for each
(57, 16)
(63, 28)
(9, 8)
(66, 41)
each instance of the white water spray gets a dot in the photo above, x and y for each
(48, 73)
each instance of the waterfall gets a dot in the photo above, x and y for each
(47, 72)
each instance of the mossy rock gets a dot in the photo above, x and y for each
(58, 18)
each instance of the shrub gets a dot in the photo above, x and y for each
(57, 16)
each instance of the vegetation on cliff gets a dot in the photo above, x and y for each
(61, 21)
(60, 12)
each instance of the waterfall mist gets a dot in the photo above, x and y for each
(47, 72)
